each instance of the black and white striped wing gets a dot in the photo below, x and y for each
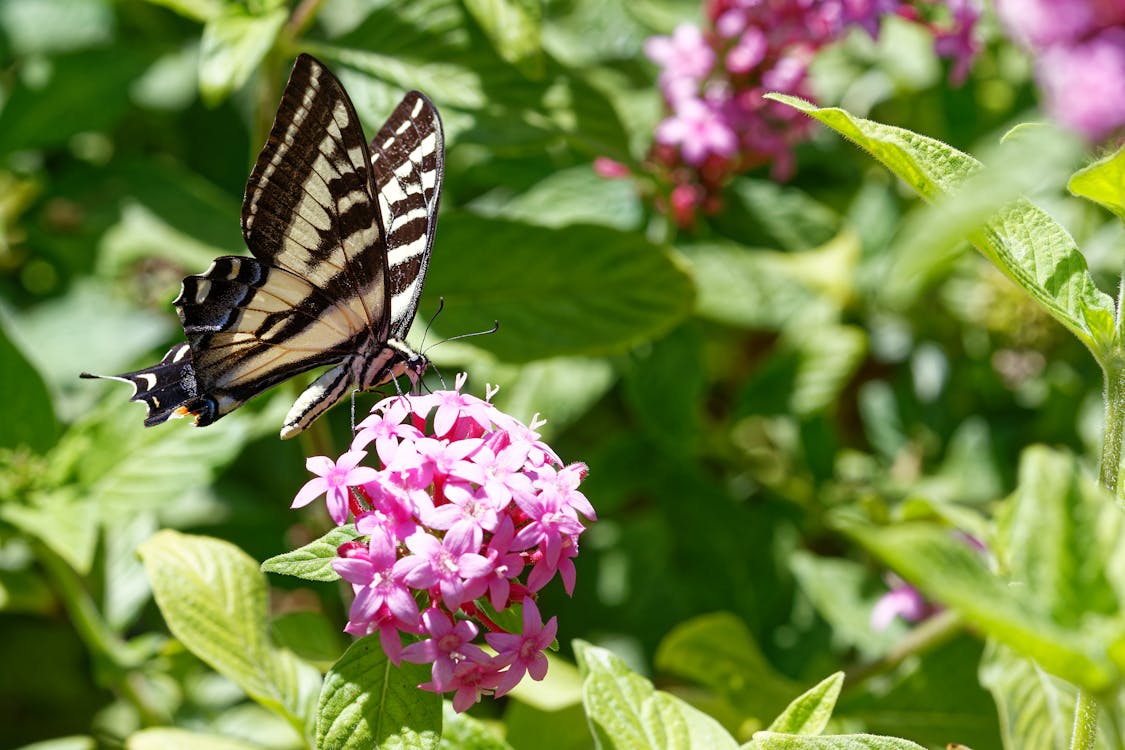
(408, 164)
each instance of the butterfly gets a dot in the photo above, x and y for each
(340, 233)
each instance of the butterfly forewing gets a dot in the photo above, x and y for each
(340, 236)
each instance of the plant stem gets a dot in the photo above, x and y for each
(930, 634)
(1086, 708)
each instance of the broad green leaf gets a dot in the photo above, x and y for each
(234, 44)
(310, 635)
(718, 651)
(582, 290)
(772, 741)
(762, 212)
(463, 732)
(527, 726)
(810, 712)
(170, 738)
(126, 587)
(1103, 182)
(29, 419)
(514, 28)
(837, 588)
(46, 26)
(368, 702)
(1036, 709)
(313, 561)
(1022, 241)
(569, 196)
(64, 743)
(949, 571)
(214, 600)
(562, 687)
(63, 521)
(1061, 537)
(625, 711)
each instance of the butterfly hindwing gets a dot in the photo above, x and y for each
(340, 235)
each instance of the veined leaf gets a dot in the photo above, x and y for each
(514, 27)
(773, 741)
(233, 45)
(312, 561)
(214, 600)
(810, 712)
(1022, 241)
(625, 711)
(1036, 709)
(1103, 182)
(368, 702)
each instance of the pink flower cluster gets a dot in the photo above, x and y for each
(469, 507)
(1079, 49)
(713, 79)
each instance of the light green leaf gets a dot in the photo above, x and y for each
(47, 26)
(64, 522)
(170, 738)
(719, 652)
(514, 28)
(1022, 241)
(126, 587)
(233, 45)
(810, 712)
(949, 571)
(368, 702)
(569, 196)
(29, 419)
(311, 636)
(625, 711)
(582, 290)
(463, 732)
(772, 741)
(214, 600)
(313, 561)
(1103, 182)
(776, 215)
(1036, 709)
(196, 10)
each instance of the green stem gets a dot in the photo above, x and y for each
(928, 635)
(1086, 708)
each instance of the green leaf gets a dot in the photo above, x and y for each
(569, 196)
(214, 600)
(67, 524)
(625, 711)
(313, 561)
(1036, 709)
(28, 416)
(772, 741)
(64, 743)
(196, 10)
(718, 651)
(765, 213)
(949, 571)
(463, 732)
(582, 290)
(514, 28)
(169, 738)
(1103, 182)
(810, 712)
(311, 636)
(664, 385)
(1022, 241)
(368, 702)
(233, 45)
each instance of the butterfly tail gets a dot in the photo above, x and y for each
(164, 388)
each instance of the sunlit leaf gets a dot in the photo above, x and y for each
(312, 561)
(514, 27)
(809, 713)
(233, 45)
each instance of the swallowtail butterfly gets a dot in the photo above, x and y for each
(340, 233)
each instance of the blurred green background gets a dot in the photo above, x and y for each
(816, 347)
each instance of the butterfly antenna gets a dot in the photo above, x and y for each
(430, 322)
(495, 327)
(439, 377)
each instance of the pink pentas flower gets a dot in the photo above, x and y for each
(523, 653)
(685, 54)
(462, 507)
(700, 130)
(903, 601)
(334, 478)
(1082, 83)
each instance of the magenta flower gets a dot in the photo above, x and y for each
(685, 54)
(903, 601)
(467, 502)
(700, 130)
(1082, 83)
(334, 478)
(523, 654)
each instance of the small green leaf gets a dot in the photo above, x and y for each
(214, 600)
(810, 712)
(196, 10)
(582, 290)
(1022, 241)
(1103, 182)
(65, 523)
(625, 711)
(368, 702)
(1036, 709)
(46, 26)
(718, 651)
(514, 28)
(169, 738)
(313, 561)
(463, 732)
(772, 741)
(233, 45)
